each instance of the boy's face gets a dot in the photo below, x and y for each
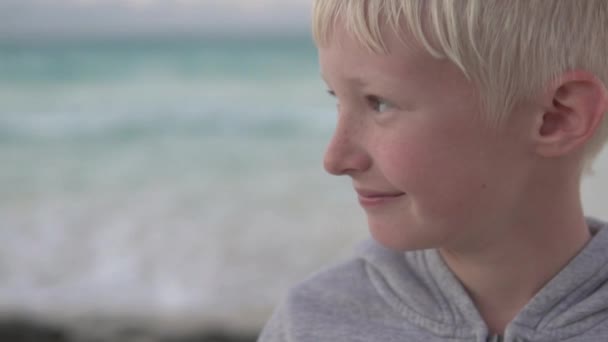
(427, 170)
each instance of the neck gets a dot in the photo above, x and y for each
(514, 261)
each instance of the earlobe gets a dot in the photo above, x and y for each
(573, 110)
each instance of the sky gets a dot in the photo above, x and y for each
(68, 18)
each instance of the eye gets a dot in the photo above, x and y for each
(379, 105)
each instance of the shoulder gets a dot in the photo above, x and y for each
(338, 303)
(370, 285)
(341, 289)
(314, 308)
(331, 304)
(351, 287)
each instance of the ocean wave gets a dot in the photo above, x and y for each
(105, 127)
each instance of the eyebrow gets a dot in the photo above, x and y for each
(357, 81)
(353, 80)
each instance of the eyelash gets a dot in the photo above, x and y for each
(373, 101)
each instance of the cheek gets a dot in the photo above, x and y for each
(440, 175)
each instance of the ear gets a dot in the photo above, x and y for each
(573, 108)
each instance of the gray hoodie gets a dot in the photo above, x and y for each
(386, 296)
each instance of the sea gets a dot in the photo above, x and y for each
(165, 182)
(170, 183)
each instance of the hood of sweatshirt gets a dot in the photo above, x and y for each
(421, 288)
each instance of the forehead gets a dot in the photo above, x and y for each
(344, 57)
(342, 48)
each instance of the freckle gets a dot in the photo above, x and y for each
(484, 185)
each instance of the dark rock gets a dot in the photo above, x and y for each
(214, 337)
(26, 331)
(21, 331)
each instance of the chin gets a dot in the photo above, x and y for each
(399, 239)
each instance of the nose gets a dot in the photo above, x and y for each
(345, 154)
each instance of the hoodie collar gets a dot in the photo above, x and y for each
(421, 287)
(575, 300)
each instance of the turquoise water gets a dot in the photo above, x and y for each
(95, 61)
(78, 105)
(157, 78)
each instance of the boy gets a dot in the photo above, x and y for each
(465, 127)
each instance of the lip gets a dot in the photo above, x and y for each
(371, 198)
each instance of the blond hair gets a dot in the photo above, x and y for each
(510, 49)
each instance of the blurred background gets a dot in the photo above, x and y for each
(161, 164)
(160, 167)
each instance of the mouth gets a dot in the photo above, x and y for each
(370, 198)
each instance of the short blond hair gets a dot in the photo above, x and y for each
(510, 49)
